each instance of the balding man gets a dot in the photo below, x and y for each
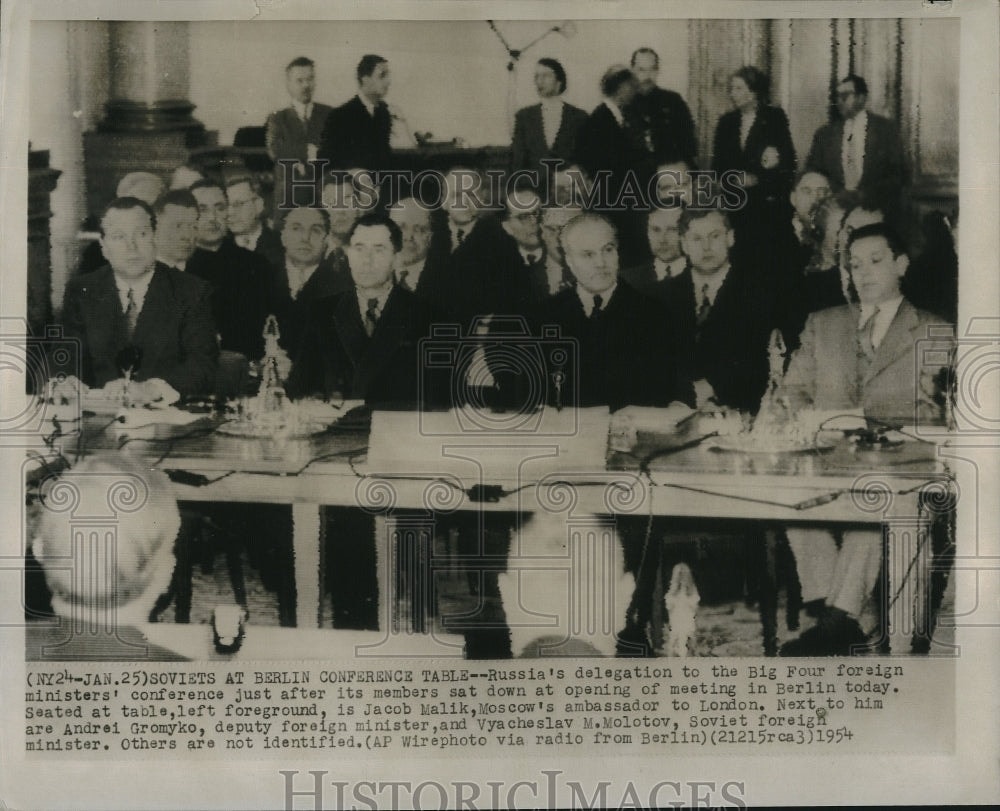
(627, 349)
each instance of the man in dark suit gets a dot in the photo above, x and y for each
(158, 316)
(294, 133)
(874, 356)
(458, 227)
(241, 280)
(661, 116)
(421, 265)
(357, 132)
(306, 274)
(547, 129)
(246, 219)
(605, 142)
(628, 353)
(176, 215)
(609, 150)
(724, 315)
(663, 233)
(861, 152)
(361, 343)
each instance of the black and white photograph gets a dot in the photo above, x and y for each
(353, 356)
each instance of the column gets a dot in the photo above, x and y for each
(148, 123)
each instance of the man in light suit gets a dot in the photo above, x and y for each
(547, 129)
(849, 360)
(160, 315)
(861, 152)
(294, 133)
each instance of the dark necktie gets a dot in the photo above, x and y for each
(460, 236)
(131, 312)
(705, 307)
(537, 278)
(371, 316)
(598, 303)
(401, 280)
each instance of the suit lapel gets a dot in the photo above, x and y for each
(350, 330)
(151, 329)
(899, 340)
(384, 342)
(106, 309)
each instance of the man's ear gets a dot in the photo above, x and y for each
(730, 239)
(902, 263)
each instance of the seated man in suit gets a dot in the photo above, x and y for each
(176, 220)
(361, 343)
(158, 317)
(861, 153)
(341, 201)
(421, 266)
(241, 280)
(855, 357)
(294, 133)
(358, 132)
(725, 317)
(246, 219)
(506, 257)
(547, 129)
(306, 275)
(554, 219)
(143, 186)
(662, 230)
(628, 353)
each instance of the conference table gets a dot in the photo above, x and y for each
(683, 472)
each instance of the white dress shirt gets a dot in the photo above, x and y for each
(139, 287)
(664, 270)
(853, 149)
(587, 298)
(297, 277)
(883, 318)
(552, 111)
(709, 283)
(249, 241)
(304, 111)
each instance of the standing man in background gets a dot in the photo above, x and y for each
(661, 116)
(861, 153)
(357, 132)
(294, 133)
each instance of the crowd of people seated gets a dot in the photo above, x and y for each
(671, 279)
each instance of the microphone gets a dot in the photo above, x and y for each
(128, 360)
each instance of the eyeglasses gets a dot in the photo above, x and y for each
(528, 216)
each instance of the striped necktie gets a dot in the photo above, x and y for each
(131, 312)
(371, 316)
